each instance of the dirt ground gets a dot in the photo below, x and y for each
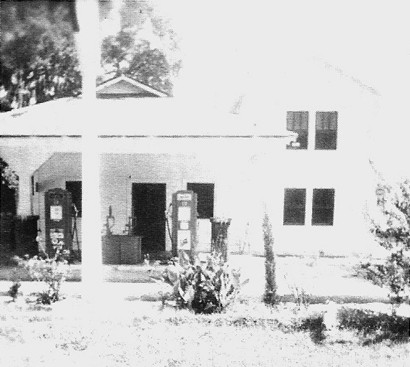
(320, 278)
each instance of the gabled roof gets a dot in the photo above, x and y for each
(124, 86)
(161, 117)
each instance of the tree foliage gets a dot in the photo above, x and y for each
(392, 231)
(38, 60)
(8, 188)
(9, 178)
(123, 53)
(270, 296)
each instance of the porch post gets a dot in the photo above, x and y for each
(89, 53)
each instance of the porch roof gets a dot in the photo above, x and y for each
(145, 117)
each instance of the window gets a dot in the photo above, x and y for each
(323, 207)
(32, 185)
(326, 130)
(76, 194)
(294, 207)
(205, 197)
(298, 122)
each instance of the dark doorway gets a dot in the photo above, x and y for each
(205, 192)
(149, 204)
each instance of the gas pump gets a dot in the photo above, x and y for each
(184, 217)
(58, 220)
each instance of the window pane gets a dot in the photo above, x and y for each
(323, 206)
(294, 207)
(76, 194)
(298, 122)
(326, 130)
(205, 197)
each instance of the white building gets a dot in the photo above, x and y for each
(241, 165)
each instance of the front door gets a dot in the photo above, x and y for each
(149, 204)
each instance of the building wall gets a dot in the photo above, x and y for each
(120, 171)
(346, 169)
(250, 178)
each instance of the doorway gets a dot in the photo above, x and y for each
(148, 207)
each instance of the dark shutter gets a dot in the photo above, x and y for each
(294, 207)
(326, 130)
(323, 207)
(298, 122)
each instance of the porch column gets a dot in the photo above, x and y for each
(89, 53)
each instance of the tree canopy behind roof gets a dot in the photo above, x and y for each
(38, 60)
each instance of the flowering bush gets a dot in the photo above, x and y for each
(392, 232)
(203, 288)
(52, 271)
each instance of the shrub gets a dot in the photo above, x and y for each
(392, 232)
(202, 288)
(377, 326)
(14, 290)
(52, 271)
(270, 296)
(315, 325)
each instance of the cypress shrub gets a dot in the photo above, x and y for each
(270, 296)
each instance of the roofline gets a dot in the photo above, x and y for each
(50, 157)
(162, 136)
(352, 78)
(133, 82)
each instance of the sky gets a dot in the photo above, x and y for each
(234, 40)
(235, 47)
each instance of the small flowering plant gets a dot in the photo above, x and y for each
(52, 271)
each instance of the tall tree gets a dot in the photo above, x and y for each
(121, 54)
(38, 59)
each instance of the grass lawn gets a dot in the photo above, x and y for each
(140, 333)
(129, 327)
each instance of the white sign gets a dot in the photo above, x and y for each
(184, 240)
(182, 197)
(56, 212)
(184, 213)
(183, 225)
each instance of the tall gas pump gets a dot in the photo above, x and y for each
(58, 220)
(184, 222)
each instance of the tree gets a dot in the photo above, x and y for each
(125, 54)
(392, 231)
(270, 296)
(8, 188)
(38, 58)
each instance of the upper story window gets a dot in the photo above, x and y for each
(76, 194)
(295, 207)
(323, 207)
(326, 130)
(298, 122)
